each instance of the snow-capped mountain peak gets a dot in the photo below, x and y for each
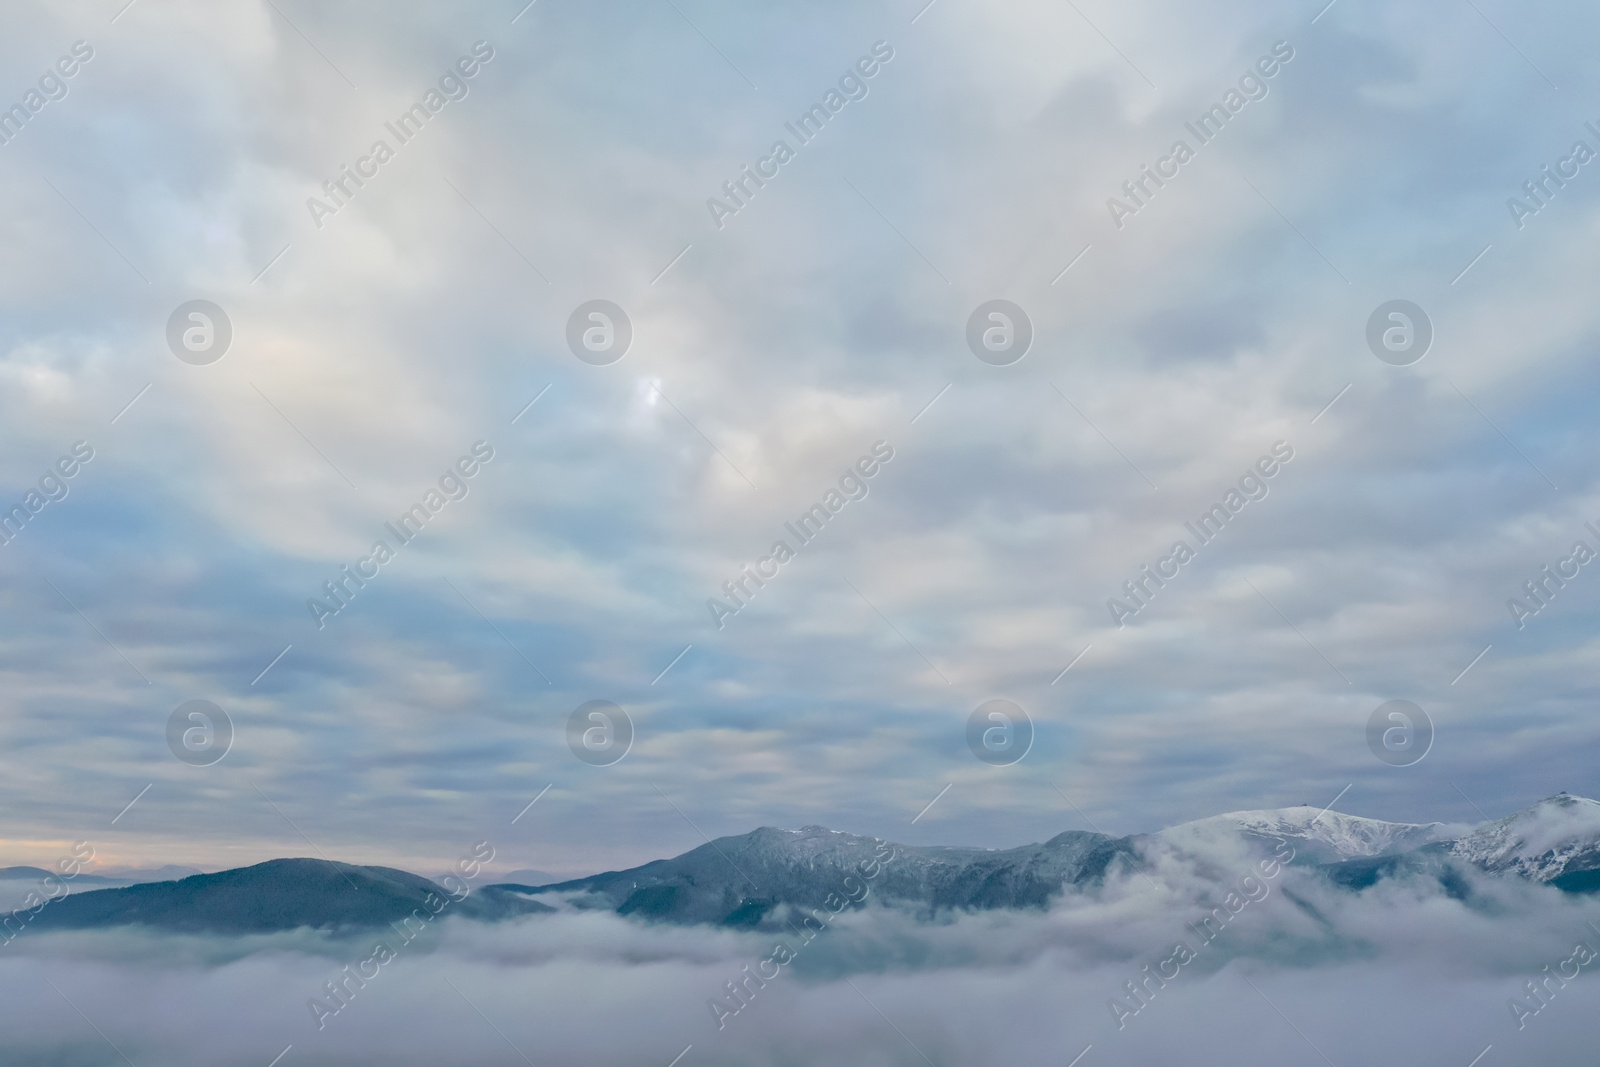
(1558, 834)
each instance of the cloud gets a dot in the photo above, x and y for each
(825, 316)
(1429, 975)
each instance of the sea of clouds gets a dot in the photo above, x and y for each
(1402, 973)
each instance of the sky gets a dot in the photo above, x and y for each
(379, 335)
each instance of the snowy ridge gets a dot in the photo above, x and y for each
(1315, 833)
(760, 877)
(769, 878)
(1555, 836)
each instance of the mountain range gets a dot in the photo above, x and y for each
(739, 880)
(769, 875)
(282, 894)
(16, 883)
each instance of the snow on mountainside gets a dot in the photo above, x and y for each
(1557, 836)
(769, 877)
(1315, 834)
(749, 879)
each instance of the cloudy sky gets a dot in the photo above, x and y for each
(378, 335)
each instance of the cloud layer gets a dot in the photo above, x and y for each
(1301, 972)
